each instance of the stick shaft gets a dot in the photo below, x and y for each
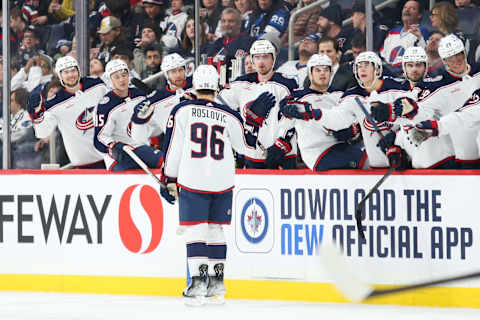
(369, 117)
(141, 164)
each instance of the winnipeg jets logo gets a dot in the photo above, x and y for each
(254, 220)
(85, 119)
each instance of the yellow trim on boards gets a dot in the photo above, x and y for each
(236, 289)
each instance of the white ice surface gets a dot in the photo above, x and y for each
(55, 306)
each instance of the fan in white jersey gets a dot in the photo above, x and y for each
(71, 110)
(150, 116)
(256, 96)
(435, 154)
(112, 125)
(199, 160)
(320, 149)
(445, 94)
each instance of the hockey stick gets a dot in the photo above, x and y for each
(142, 164)
(356, 291)
(141, 85)
(361, 205)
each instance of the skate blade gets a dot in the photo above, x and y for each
(216, 300)
(195, 301)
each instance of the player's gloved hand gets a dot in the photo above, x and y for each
(168, 189)
(349, 134)
(382, 112)
(188, 95)
(430, 127)
(405, 107)
(397, 158)
(239, 161)
(142, 112)
(276, 153)
(35, 105)
(291, 111)
(115, 150)
(387, 141)
(257, 111)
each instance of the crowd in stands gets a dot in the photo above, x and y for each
(141, 33)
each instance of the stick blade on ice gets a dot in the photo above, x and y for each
(336, 267)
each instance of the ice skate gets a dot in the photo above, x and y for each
(216, 287)
(197, 290)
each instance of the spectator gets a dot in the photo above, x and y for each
(468, 17)
(268, 17)
(174, 22)
(359, 45)
(306, 23)
(153, 13)
(211, 16)
(111, 36)
(187, 46)
(330, 25)
(30, 45)
(35, 75)
(248, 64)
(245, 7)
(153, 59)
(124, 53)
(22, 134)
(63, 47)
(227, 3)
(233, 44)
(297, 69)
(18, 27)
(435, 64)
(121, 10)
(61, 12)
(408, 35)
(150, 36)
(360, 22)
(96, 68)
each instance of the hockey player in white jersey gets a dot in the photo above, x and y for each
(199, 160)
(256, 96)
(112, 123)
(150, 116)
(71, 110)
(445, 94)
(434, 154)
(320, 149)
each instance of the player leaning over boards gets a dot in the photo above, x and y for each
(199, 160)
(150, 116)
(321, 149)
(112, 125)
(256, 96)
(434, 154)
(71, 109)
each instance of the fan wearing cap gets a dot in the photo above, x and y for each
(256, 96)
(112, 125)
(330, 24)
(111, 36)
(199, 161)
(150, 116)
(320, 149)
(452, 92)
(297, 69)
(72, 111)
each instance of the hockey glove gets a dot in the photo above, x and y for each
(424, 130)
(387, 141)
(397, 158)
(115, 150)
(35, 106)
(142, 112)
(405, 107)
(276, 153)
(188, 95)
(348, 135)
(168, 189)
(142, 85)
(257, 111)
(383, 112)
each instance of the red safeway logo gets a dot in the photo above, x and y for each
(146, 202)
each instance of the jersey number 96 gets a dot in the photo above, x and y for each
(199, 133)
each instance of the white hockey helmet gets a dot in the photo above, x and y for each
(205, 77)
(172, 61)
(263, 46)
(114, 66)
(368, 56)
(449, 46)
(415, 54)
(318, 60)
(65, 63)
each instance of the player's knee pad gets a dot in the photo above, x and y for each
(196, 233)
(215, 233)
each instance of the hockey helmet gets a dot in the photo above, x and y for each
(205, 77)
(318, 60)
(172, 61)
(449, 46)
(415, 54)
(368, 56)
(263, 46)
(65, 63)
(114, 66)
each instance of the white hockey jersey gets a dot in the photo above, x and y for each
(20, 125)
(198, 143)
(246, 89)
(112, 122)
(73, 114)
(313, 138)
(174, 23)
(348, 111)
(294, 70)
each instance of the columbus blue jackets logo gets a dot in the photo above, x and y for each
(85, 119)
(254, 220)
